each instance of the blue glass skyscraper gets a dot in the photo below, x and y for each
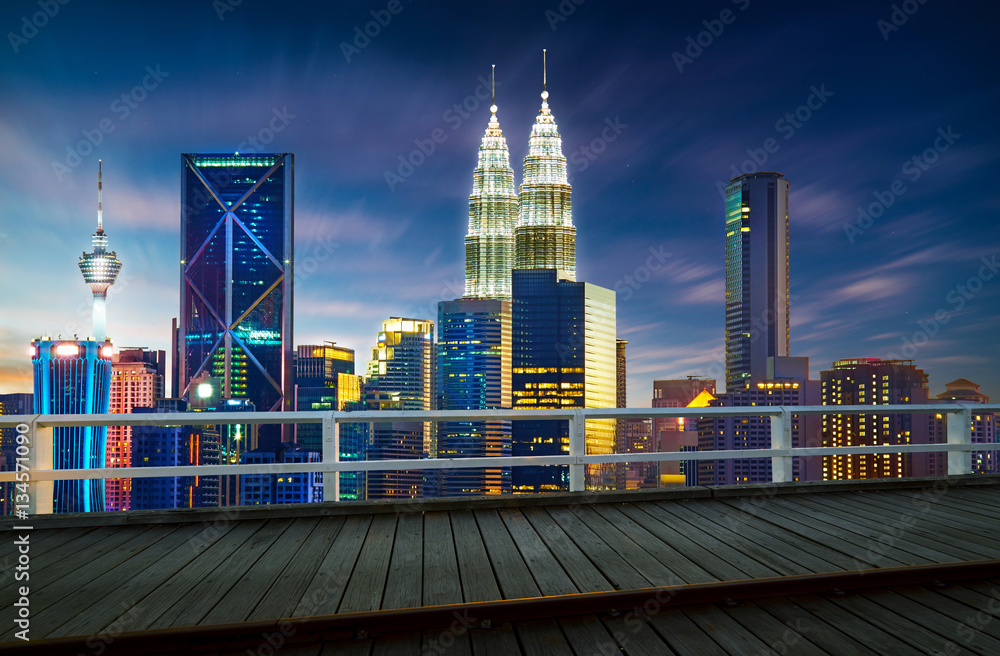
(74, 377)
(236, 277)
(474, 346)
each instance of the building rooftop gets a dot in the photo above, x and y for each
(860, 567)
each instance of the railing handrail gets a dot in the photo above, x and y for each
(958, 441)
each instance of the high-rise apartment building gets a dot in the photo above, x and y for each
(11, 404)
(296, 487)
(237, 214)
(757, 312)
(982, 424)
(324, 380)
(401, 377)
(489, 245)
(473, 373)
(174, 446)
(545, 237)
(136, 382)
(564, 356)
(872, 381)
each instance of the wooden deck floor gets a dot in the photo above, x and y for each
(130, 577)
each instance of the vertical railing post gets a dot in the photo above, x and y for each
(781, 438)
(577, 447)
(960, 432)
(331, 453)
(39, 459)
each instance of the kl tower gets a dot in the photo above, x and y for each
(100, 269)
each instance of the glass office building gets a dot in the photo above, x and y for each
(474, 373)
(757, 314)
(564, 356)
(73, 377)
(236, 278)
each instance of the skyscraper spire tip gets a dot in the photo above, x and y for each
(545, 93)
(100, 211)
(493, 102)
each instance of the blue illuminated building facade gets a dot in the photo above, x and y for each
(236, 278)
(473, 373)
(74, 377)
(563, 356)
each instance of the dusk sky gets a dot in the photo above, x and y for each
(866, 89)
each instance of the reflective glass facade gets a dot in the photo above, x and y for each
(474, 369)
(563, 356)
(236, 276)
(757, 311)
(74, 377)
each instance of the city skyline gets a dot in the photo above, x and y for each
(647, 135)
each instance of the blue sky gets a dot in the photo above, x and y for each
(826, 94)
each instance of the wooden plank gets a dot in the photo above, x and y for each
(323, 594)
(404, 643)
(78, 570)
(961, 612)
(778, 636)
(819, 527)
(442, 584)
(544, 567)
(889, 620)
(615, 568)
(345, 648)
(478, 581)
(682, 635)
(542, 638)
(732, 636)
(404, 584)
(685, 570)
(496, 641)
(207, 592)
(937, 511)
(912, 541)
(635, 637)
(647, 563)
(982, 595)
(859, 628)
(512, 574)
(280, 599)
(944, 619)
(121, 587)
(872, 552)
(739, 550)
(588, 636)
(958, 499)
(813, 555)
(225, 540)
(284, 650)
(451, 642)
(836, 640)
(980, 538)
(367, 583)
(698, 547)
(586, 577)
(238, 603)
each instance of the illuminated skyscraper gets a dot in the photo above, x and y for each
(473, 372)
(489, 246)
(545, 237)
(136, 382)
(100, 268)
(236, 278)
(11, 404)
(756, 275)
(872, 381)
(73, 377)
(984, 431)
(401, 377)
(564, 356)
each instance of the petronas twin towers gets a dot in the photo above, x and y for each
(532, 230)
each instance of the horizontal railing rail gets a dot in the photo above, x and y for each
(35, 457)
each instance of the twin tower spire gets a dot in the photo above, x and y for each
(533, 230)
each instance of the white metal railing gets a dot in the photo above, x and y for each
(35, 457)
